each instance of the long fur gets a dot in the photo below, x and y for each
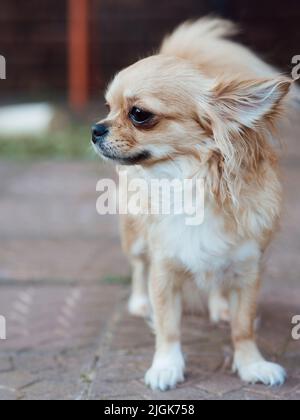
(214, 108)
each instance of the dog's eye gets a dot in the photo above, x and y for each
(139, 116)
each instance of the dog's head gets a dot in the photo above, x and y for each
(162, 107)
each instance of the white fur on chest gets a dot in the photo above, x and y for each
(203, 249)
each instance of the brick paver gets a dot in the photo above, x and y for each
(69, 334)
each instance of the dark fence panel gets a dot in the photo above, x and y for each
(33, 40)
(33, 35)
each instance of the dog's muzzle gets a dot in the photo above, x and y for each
(99, 132)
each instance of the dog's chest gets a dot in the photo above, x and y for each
(197, 247)
(206, 248)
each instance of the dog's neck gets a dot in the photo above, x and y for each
(181, 168)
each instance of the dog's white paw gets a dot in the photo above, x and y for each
(163, 379)
(139, 305)
(267, 373)
(166, 372)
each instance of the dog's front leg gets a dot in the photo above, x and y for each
(248, 361)
(139, 301)
(165, 293)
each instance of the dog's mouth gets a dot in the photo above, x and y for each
(134, 159)
(130, 159)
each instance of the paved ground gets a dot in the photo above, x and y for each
(69, 335)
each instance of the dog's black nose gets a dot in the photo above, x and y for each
(99, 131)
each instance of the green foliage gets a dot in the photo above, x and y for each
(70, 143)
(123, 280)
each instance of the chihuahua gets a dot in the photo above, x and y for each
(203, 107)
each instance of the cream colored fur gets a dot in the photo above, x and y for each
(215, 105)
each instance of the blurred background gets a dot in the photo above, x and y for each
(64, 52)
(63, 279)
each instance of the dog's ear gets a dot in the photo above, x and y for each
(237, 116)
(248, 103)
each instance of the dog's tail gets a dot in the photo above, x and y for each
(204, 29)
(191, 38)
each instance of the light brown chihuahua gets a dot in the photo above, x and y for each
(204, 107)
